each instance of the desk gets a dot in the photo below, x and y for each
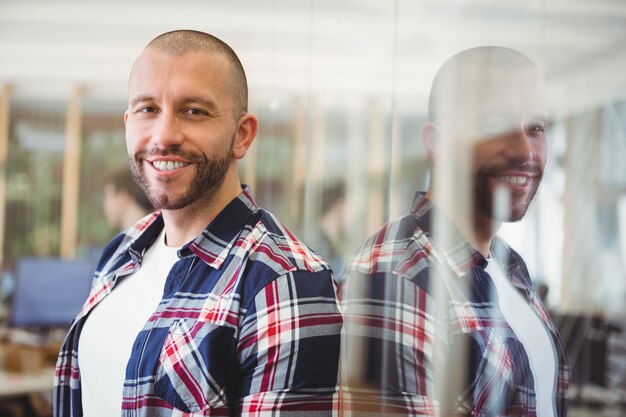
(13, 384)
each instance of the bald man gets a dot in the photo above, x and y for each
(441, 311)
(210, 305)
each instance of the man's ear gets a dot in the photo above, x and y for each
(125, 117)
(247, 128)
(428, 136)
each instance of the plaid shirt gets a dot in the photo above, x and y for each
(248, 324)
(391, 325)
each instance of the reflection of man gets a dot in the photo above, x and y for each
(124, 202)
(441, 310)
(209, 306)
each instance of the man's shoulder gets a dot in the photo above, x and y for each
(266, 253)
(270, 242)
(389, 247)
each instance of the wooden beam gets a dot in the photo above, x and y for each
(71, 176)
(376, 166)
(317, 144)
(315, 150)
(299, 161)
(396, 209)
(5, 93)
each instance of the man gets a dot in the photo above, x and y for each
(208, 306)
(124, 202)
(439, 311)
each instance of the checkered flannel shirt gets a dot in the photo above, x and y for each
(248, 324)
(394, 334)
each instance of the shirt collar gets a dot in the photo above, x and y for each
(212, 245)
(457, 251)
(216, 241)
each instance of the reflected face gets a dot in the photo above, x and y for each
(180, 126)
(507, 126)
(507, 172)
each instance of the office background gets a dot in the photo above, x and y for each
(340, 88)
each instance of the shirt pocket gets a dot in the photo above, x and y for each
(186, 376)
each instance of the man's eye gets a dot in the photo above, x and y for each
(147, 109)
(536, 129)
(196, 112)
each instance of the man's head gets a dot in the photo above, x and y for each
(187, 120)
(333, 211)
(490, 101)
(181, 42)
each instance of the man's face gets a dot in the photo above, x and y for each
(506, 122)
(180, 126)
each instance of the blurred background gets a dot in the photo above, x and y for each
(340, 88)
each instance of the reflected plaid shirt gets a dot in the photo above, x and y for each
(390, 323)
(248, 324)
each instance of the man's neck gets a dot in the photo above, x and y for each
(184, 225)
(483, 230)
(479, 231)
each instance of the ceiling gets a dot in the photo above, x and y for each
(335, 49)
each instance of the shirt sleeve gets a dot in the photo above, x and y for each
(289, 347)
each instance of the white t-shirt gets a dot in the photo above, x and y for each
(108, 335)
(532, 333)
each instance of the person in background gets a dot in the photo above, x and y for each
(124, 202)
(439, 312)
(209, 306)
(332, 225)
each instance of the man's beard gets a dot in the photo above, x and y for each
(210, 174)
(514, 207)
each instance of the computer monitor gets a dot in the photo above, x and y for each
(49, 292)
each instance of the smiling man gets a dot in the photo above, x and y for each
(442, 310)
(208, 306)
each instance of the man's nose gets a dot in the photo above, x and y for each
(520, 145)
(167, 131)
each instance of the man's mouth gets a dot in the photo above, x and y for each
(517, 180)
(168, 165)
